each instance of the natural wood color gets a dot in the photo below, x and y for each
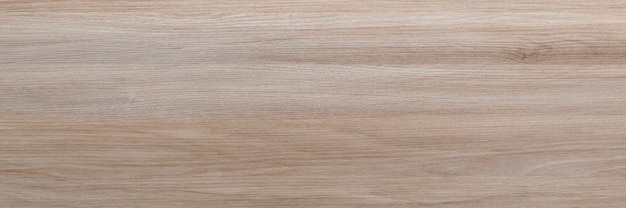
(317, 103)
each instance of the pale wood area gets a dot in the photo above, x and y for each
(318, 103)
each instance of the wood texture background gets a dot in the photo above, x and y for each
(316, 103)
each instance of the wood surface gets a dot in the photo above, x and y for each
(313, 103)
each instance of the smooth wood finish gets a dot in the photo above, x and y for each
(317, 103)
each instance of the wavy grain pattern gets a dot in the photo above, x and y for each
(318, 103)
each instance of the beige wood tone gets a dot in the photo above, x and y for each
(316, 103)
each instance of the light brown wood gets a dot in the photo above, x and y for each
(317, 103)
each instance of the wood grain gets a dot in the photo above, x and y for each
(318, 103)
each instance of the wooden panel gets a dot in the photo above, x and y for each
(289, 103)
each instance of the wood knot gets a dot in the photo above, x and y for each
(528, 55)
